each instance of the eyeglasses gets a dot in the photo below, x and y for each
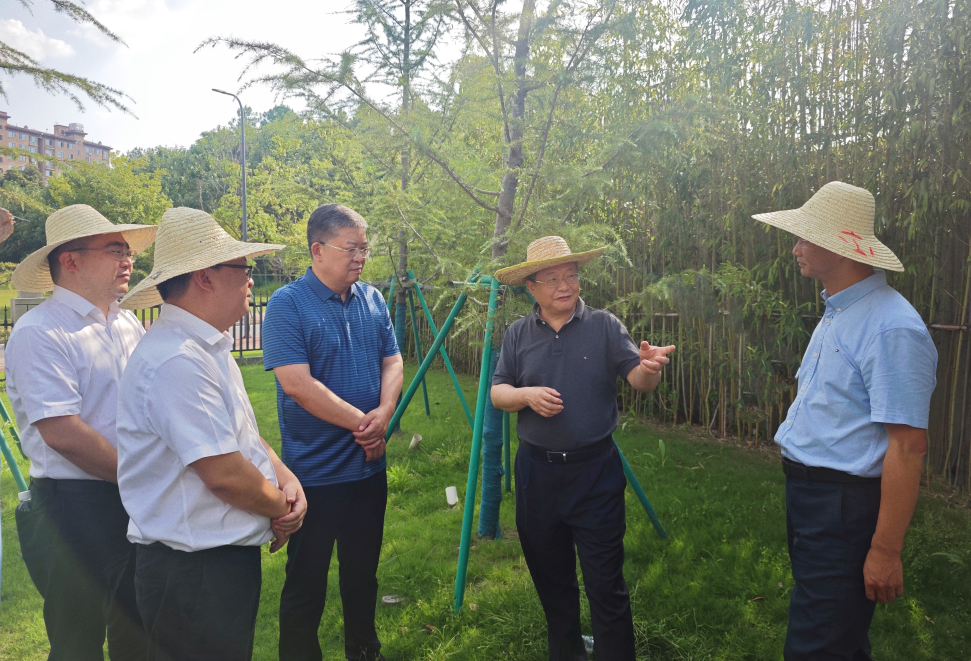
(118, 253)
(553, 283)
(351, 252)
(246, 267)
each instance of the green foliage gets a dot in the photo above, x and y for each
(119, 193)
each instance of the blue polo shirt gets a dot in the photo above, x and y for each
(870, 361)
(344, 343)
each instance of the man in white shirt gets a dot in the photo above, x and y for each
(203, 489)
(65, 359)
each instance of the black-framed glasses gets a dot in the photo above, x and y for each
(118, 253)
(245, 267)
(553, 283)
(351, 252)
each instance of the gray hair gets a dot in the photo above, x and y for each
(329, 219)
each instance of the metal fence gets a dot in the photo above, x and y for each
(247, 332)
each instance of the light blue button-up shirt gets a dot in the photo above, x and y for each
(870, 361)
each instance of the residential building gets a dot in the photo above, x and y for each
(65, 144)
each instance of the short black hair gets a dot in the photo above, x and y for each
(174, 288)
(54, 256)
(329, 219)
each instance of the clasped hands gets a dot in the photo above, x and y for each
(370, 432)
(289, 523)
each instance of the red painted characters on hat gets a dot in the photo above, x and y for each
(856, 242)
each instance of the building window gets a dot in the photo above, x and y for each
(87, 149)
(11, 134)
(23, 158)
(60, 154)
(33, 150)
(21, 167)
(12, 145)
(71, 156)
(49, 143)
(33, 139)
(23, 136)
(49, 152)
(88, 159)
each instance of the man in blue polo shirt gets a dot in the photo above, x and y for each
(854, 437)
(328, 339)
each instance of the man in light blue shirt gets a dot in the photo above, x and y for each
(854, 437)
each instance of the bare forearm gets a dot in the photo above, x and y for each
(898, 496)
(392, 378)
(321, 402)
(283, 474)
(80, 444)
(508, 398)
(239, 483)
(641, 380)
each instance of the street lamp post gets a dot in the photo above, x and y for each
(242, 139)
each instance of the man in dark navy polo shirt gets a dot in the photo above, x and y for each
(328, 339)
(559, 368)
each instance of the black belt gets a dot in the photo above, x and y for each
(571, 456)
(799, 471)
(52, 485)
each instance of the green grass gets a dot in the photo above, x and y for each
(718, 589)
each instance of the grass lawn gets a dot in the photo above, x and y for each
(718, 589)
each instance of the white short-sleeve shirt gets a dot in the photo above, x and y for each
(183, 399)
(64, 357)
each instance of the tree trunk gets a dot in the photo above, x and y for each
(514, 157)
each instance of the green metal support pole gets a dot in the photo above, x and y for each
(425, 364)
(14, 468)
(391, 298)
(641, 496)
(506, 442)
(448, 363)
(418, 354)
(12, 426)
(470, 488)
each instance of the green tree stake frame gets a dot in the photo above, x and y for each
(445, 358)
(418, 354)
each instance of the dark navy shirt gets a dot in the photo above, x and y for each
(344, 343)
(582, 361)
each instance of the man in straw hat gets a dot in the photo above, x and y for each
(855, 434)
(329, 341)
(203, 489)
(65, 359)
(559, 368)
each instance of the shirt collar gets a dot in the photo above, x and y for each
(578, 313)
(203, 330)
(323, 291)
(853, 293)
(80, 304)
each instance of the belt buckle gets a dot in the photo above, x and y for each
(556, 457)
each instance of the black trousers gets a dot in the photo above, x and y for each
(73, 540)
(829, 526)
(579, 505)
(199, 605)
(352, 515)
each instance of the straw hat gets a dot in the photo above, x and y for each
(839, 218)
(74, 222)
(189, 240)
(542, 254)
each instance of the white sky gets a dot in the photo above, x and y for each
(170, 86)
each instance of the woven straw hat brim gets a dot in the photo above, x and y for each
(858, 246)
(145, 293)
(34, 273)
(516, 275)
